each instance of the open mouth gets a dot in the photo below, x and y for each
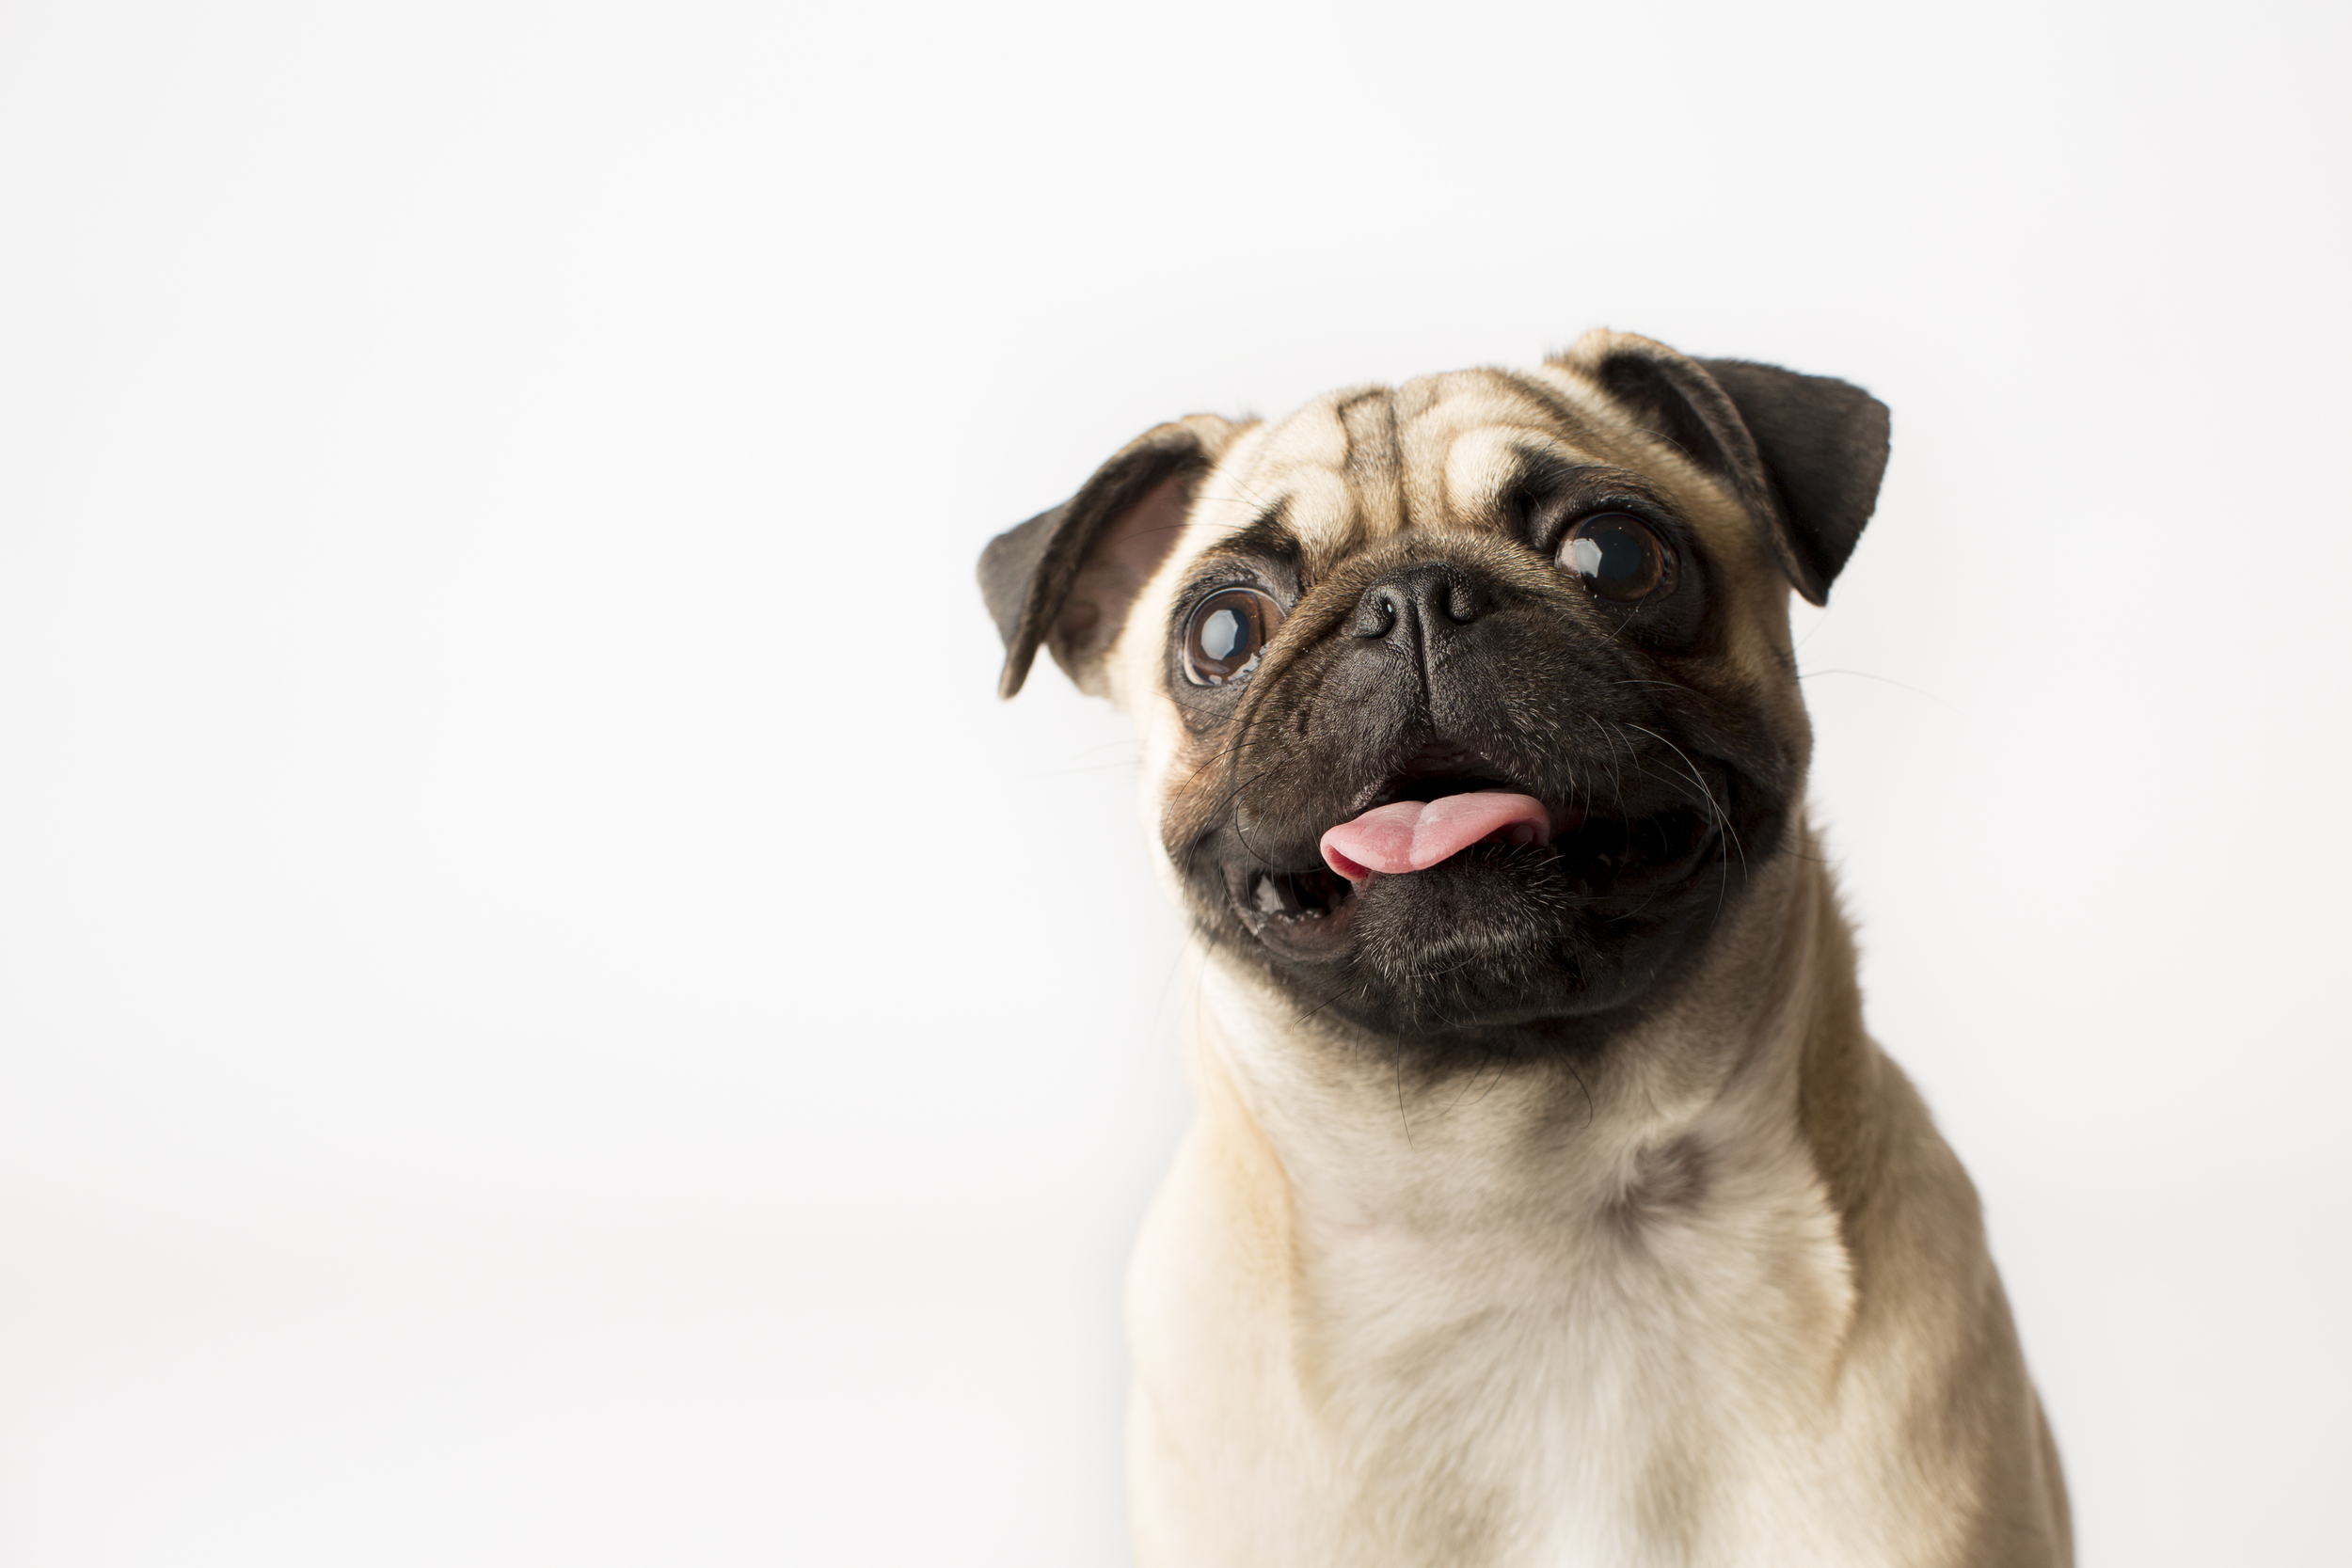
(1451, 813)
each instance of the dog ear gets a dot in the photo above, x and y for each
(1066, 578)
(1806, 452)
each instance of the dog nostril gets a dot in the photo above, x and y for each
(1375, 615)
(1464, 604)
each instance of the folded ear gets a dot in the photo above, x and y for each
(1066, 578)
(1805, 453)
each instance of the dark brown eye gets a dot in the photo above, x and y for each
(1226, 633)
(1617, 556)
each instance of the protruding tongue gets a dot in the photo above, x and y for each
(1411, 836)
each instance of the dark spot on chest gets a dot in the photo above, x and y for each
(1670, 1185)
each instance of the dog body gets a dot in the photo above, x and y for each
(1548, 1202)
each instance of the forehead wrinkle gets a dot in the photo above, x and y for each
(1567, 416)
(1459, 416)
(1587, 409)
(1610, 435)
(1374, 465)
(1485, 464)
(1440, 404)
(1305, 465)
(1328, 524)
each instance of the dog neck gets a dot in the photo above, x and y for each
(1682, 1108)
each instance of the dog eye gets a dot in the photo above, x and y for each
(1617, 556)
(1226, 630)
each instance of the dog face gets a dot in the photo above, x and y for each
(1469, 708)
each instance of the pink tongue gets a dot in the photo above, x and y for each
(1411, 836)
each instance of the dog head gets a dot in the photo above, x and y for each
(1468, 707)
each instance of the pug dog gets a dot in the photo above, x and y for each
(1548, 1201)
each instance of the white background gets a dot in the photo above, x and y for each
(547, 1016)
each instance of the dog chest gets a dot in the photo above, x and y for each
(1597, 1387)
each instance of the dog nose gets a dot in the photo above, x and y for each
(1427, 601)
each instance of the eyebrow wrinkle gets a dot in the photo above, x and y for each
(1267, 533)
(1546, 475)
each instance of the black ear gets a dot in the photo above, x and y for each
(1806, 452)
(1066, 578)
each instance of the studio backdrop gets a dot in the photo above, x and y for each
(549, 1015)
